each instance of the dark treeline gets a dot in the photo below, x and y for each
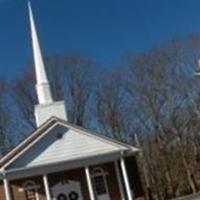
(151, 100)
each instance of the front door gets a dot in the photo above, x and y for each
(67, 190)
(100, 184)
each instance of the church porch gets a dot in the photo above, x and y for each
(102, 181)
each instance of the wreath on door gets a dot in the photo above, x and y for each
(72, 196)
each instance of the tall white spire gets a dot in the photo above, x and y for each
(42, 84)
(46, 107)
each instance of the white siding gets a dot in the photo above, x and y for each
(73, 145)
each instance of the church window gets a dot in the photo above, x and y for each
(99, 181)
(30, 189)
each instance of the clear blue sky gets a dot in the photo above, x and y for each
(102, 29)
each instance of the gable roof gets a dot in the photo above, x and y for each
(27, 141)
(49, 125)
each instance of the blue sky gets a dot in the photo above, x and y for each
(102, 29)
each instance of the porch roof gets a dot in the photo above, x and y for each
(60, 142)
(23, 172)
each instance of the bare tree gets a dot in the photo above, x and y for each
(80, 78)
(24, 96)
(6, 137)
(163, 90)
(111, 104)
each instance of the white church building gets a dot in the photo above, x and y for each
(62, 161)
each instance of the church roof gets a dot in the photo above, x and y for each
(58, 140)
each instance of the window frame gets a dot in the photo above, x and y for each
(96, 173)
(31, 186)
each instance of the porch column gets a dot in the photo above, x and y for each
(119, 180)
(126, 181)
(7, 189)
(46, 186)
(89, 183)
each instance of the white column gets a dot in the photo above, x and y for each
(119, 180)
(89, 183)
(126, 180)
(46, 186)
(7, 189)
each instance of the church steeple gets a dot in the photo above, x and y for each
(46, 107)
(42, 84)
